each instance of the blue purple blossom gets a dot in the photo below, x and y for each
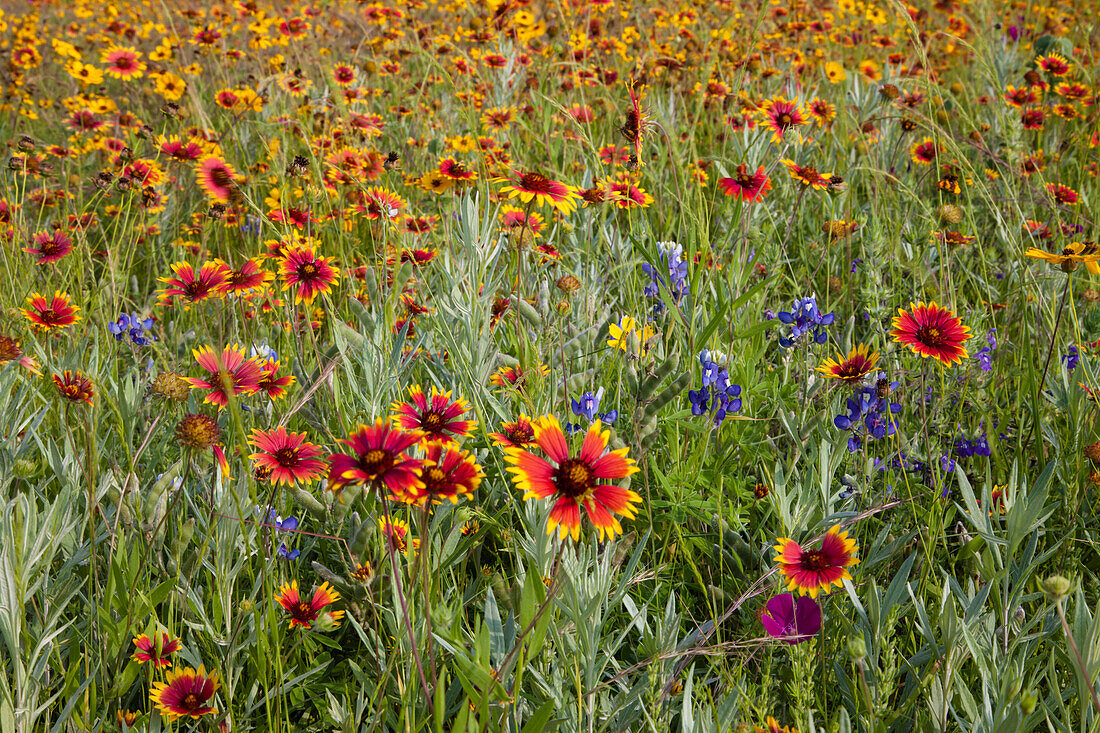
(804, 318)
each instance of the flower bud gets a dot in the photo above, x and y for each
(1057, 587)
(857, 648)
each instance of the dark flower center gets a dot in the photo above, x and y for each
(304, 610)
(573, 478)
(376, 462)
(307, 271)
(190, 702)
(520, 434)
(221, 178)
(814, 561)
(287, 457)
(432, 422)
(930, 336)
(535, 183)
(784, 120)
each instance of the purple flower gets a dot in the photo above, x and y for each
(791, 622)
(1071, 359)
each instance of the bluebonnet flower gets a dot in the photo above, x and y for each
(717, 395)
(251, 225)
(855, 262)
(979, 446)
(673, 275)
(263, 352)
(1071, 358)
(279, 524)
(804, 317)
(134, 326)
(587, 408)
(869, 414)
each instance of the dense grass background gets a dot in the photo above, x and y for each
(113, 527)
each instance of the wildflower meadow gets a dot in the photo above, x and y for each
(578, 365)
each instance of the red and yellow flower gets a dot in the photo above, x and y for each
(185, 693)
(305, 613)
(859, 363)
(932, 331)
(229, 372)
(155, 651)
(436, 418)
(378, 459)
(287, 457)
(816, 571)
(575, 481)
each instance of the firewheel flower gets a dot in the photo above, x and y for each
(305, 613)
(289, 457)
(48, 315)
(229, 372)
(309, 274)
(745, 185)
(859, 363)
(378, 459)
(447, 473)
(816, 571)
(930, 330)
(536, 187)
(575, 481)
(156, 652)
(185, 693)
(436, 417)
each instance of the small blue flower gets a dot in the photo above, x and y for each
(1071, 358)
(805, 318)
(588, 404)
(134, 326)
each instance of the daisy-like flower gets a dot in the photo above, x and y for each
(306, 272)
(435, 418)
(378, 459)
(211, 281)
(625, 194)
(514, 376)
(514, 219)
(859, 363)
(925, 152)
(749, 187)
(816, 571)
(217, 179)
(122, 63)
(447, 473)
(1071, 256)
(289, 457)
(1063, 195)
(229, 371)
(49, 246)
(932, 331)
(249, 278)
(49, 315)
(518, 434)
(528, 187)
(305, 613)
(576, 481)
(74, 386)
(271, 383)
(781, 115)
(626, 335)
(185, 693)
(1054, 64)
(155, 651)
(822, 112)
(11, 350)
(379, 203)
(807, 175)
(456, 171)
(397, 531)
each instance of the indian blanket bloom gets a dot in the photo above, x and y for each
(791, 621)
(536, 187)
(211, 280)
(11, 350)
(49, 247)
(49, 315)
(436, 417)
(518, 434)
(447, 473)
(74, 386)
(575, 481)
(185, 693)
(745, 185)
(932, 331)
(851, 369)
(156, 651)
(229, 372)
(378, 459)
(816, 571)
(781, 115)
(217, 179)
(309, 274)
(305, 613)
(289, 457)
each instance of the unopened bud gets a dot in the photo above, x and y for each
(1056, 587)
